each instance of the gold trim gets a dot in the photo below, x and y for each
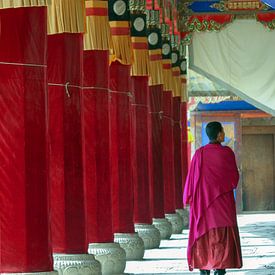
(166, 61)
(96, 4)
(139, 39)
(119, 24)
(153, 52)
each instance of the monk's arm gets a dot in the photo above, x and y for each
(234, 169)
(189, 183)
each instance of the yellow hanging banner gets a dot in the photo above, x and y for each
(140, 65)
(155, 67)
(98, 34)
(184, 95)
(176, 81)
(121, 46)
(167, 75)
(66, 16)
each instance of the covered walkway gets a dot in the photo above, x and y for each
(258, 247)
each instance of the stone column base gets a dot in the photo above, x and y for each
(164, 227)
(177, 222)
(80, 264)
(184, 213)
(149, 234)
(111, 256)
(32, 273)
(132, 244)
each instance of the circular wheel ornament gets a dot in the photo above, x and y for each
(183, 65)
(153, 38)
(139, 24)
(166, 49)
(174, 58)
(119, 7)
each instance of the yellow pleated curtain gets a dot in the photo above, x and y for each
(140, 66)
(184, 95)
(167, 75)
(155, 67)
(98, 34)
(66, 16)
(176, 81)
(121, 46)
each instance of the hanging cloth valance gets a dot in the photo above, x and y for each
(98, 35)
(141, 56)
(184, 96)
(66, 16)
(155, 67)
(167, 75)
(183, 78)
(140, 66)
(176, 81)
(6, 4)
(241, 59)
(121, 48)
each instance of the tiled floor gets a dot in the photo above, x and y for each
(258, 247)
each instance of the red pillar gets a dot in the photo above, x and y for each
(177, 152)
(168, 153)
(155, 152)
(140, 150)
(24, 217)
(184, 139)
(121, 161)
(122, 187)
(66, 166)
(96, 146)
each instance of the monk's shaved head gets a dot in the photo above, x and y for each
(213, 129)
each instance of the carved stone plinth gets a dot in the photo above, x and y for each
(111, 256)
(79, 264)
(176, 221)
(32, 273)
(164, 227)
(132, 244)
(184, 213)
(149, 234)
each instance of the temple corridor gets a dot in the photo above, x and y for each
(257, 233)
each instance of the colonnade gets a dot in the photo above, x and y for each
(93, 140)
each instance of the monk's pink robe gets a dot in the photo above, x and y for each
(214, 241)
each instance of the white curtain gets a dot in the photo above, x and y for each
(241, 57)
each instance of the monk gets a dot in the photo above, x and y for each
(214, 242)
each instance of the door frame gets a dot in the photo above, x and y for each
(257, 130)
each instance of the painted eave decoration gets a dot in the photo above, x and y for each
(205, 15)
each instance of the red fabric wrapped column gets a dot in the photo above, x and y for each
(155, 162)
(122, 185)
(140, 150)
(65, 65)
(184, 146)
(25, 245)
(177, 151)
(168, 154)
(155, 152)
(140, 164)
(169, 164)
(97, 166)
(96, 151)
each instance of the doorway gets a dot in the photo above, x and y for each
(258, 184)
